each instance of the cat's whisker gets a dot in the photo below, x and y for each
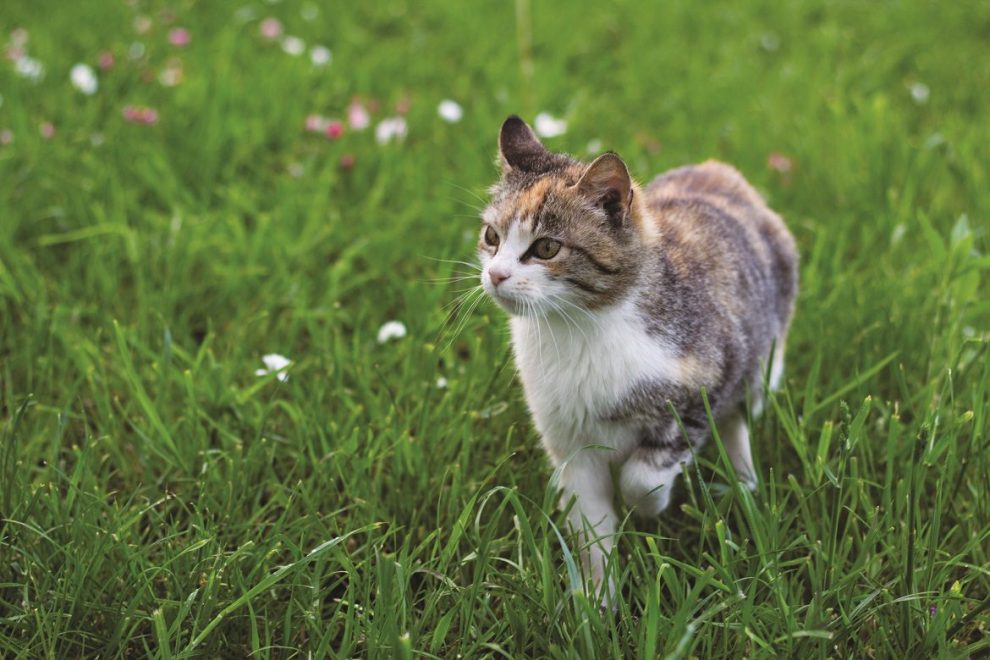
(450, 280)
(568, 320)
(466, 315)
(460, 312)
(461, 297)
(473, 266)
(553, 338)
(474, 194)
(591, 317)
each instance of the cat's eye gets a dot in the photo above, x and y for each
(545, 248)
(491, 236)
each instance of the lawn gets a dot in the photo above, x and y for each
(215, 200)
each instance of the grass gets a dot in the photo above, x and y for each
(157, 498)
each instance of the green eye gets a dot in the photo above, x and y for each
(491, 236)
(546, 248)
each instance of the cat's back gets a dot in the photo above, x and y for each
(716, 229)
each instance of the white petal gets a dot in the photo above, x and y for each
(450, 111)
(548, 126)
(261, 372)
(391, 330)
(276, 362)
(441, 383)
(920, 93)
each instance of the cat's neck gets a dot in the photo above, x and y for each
(642, 219)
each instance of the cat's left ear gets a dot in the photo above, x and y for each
(519, 148)
(608, 185)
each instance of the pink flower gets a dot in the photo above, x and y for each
(14, 53)
(335, 129)
(19, 37)
(402, 107)
(270, 28)
(316, 123)
(179, 37)
(6, 136)
(778, 162)
(106, 61)
(47, 130)
(139, 114)
(357, 116)
(347, 161)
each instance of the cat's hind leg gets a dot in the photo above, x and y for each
(648, 476)
(735, 438)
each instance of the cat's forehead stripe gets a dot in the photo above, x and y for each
(531, 200)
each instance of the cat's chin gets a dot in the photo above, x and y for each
(513, 306)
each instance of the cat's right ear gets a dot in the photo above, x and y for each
(518, 146)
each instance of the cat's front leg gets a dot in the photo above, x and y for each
(648, 475)
(586, 478)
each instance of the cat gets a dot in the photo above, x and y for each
(626, 302)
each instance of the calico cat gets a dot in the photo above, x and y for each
(625, 303)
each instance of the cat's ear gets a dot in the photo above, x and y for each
(518, 146)
(608, 185)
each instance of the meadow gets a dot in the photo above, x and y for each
(222, 182)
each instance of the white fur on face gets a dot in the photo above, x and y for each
(529, 290)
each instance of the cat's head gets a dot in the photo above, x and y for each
(558, 233)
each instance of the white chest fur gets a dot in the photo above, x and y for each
(574, 371)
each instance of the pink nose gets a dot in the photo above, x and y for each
(497, 275)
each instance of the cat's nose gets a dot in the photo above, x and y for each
(498, 275)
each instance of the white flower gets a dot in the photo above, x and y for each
(275, 364)
(393, 128)
(293, 46)
(391, 330)
(594, 146)
(920, 92)
(320, 55)
(450, 111)
(84, 79)
(548, 126)
(136, 50)
(441, 383)
(30, 68)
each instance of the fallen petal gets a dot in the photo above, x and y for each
(391, 330)
(84, 79)
(548, 126)
(450, 111)
(275, 362)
